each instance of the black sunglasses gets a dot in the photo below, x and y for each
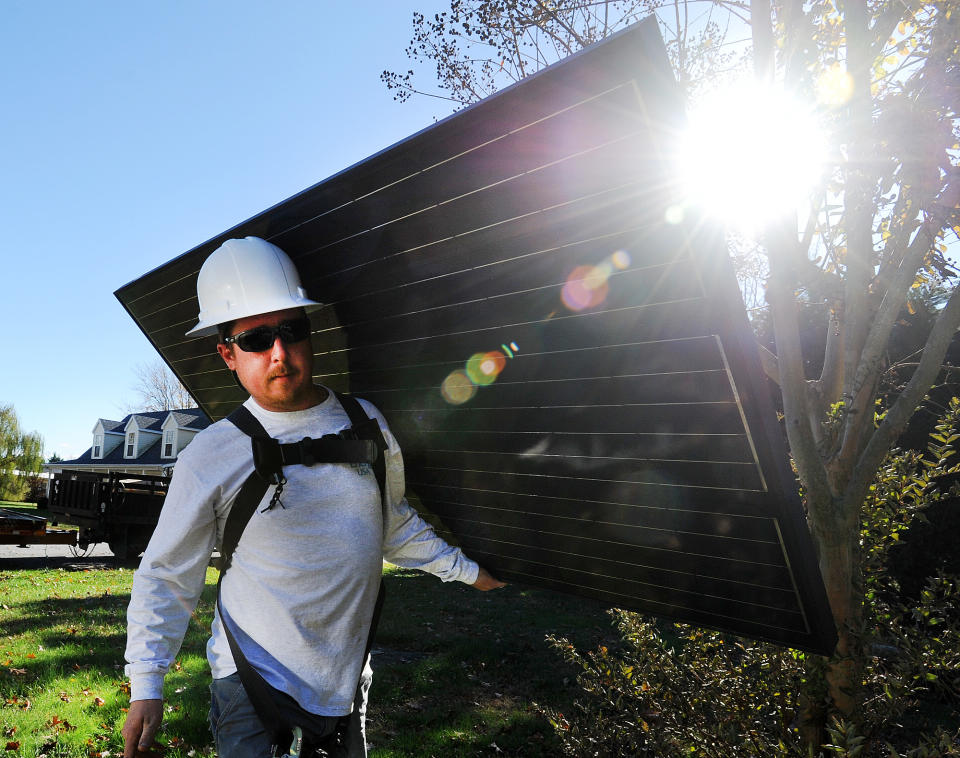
(261, 338)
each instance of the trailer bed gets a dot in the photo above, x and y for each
(19, 528)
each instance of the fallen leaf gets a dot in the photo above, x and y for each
(99, 702)
(13, 746)
(31, 655)
(18, 672)
(60, 725)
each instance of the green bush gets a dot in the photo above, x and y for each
(676, 690)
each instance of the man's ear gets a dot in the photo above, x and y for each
(226, 352)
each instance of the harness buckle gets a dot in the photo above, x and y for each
(267, 458)
(307, 458)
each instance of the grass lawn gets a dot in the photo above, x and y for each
(457, 671)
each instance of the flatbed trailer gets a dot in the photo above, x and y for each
(119, 509)
(19, 528)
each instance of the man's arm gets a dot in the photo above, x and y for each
(166, 587)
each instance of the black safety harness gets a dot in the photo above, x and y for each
(360, 444)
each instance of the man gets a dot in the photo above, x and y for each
(300, 593)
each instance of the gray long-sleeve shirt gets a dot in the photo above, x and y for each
(304, 577)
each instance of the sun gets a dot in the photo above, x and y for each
(749, 154)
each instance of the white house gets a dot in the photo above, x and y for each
(140, 443)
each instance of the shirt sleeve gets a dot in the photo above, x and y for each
(408, 540)
(168, 583)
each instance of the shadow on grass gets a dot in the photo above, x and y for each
(459, 672)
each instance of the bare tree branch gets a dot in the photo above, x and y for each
(159, 390)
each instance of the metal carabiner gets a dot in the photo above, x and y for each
(296, 745)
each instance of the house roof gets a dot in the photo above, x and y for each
(111, 426)
(190, 418)
(147, 421)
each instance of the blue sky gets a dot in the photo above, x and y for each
(132, 132)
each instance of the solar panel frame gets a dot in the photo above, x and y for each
(626, 448)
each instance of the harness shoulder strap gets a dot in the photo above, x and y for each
(369, 428)
(250, 495)
(246, 422)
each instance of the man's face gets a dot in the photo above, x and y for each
(279, 378)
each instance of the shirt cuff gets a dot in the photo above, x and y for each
(146, 687)
(471, 571)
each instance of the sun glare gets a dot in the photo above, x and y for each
(750, 154)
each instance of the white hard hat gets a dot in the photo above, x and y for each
(246, 277)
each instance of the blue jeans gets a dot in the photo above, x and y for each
(238, 732)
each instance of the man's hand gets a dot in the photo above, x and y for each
(486, 581)
(143, 720)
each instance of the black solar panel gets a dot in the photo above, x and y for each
(571, 376)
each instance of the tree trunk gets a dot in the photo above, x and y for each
(840, 565)
(833, 684)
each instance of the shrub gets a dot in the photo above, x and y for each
(676, 690)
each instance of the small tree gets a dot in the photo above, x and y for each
(885, 76)
(21, 455)
(159, 389)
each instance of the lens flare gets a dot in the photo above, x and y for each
(481, 370)
(586, 287)
(457, 388)
(484, 368)
(620, 260)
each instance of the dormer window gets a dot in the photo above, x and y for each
(97, 446)
(131, 444)
(169, 442)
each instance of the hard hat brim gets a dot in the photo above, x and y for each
(208, 328)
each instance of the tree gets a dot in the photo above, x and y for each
(479, 46)
(159, 389)
(888, 81)
(54, 458)
(21, 455)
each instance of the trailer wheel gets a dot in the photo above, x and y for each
(128, 542)
(119, 544)
(138, 537)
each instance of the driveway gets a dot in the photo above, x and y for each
(51, 556)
